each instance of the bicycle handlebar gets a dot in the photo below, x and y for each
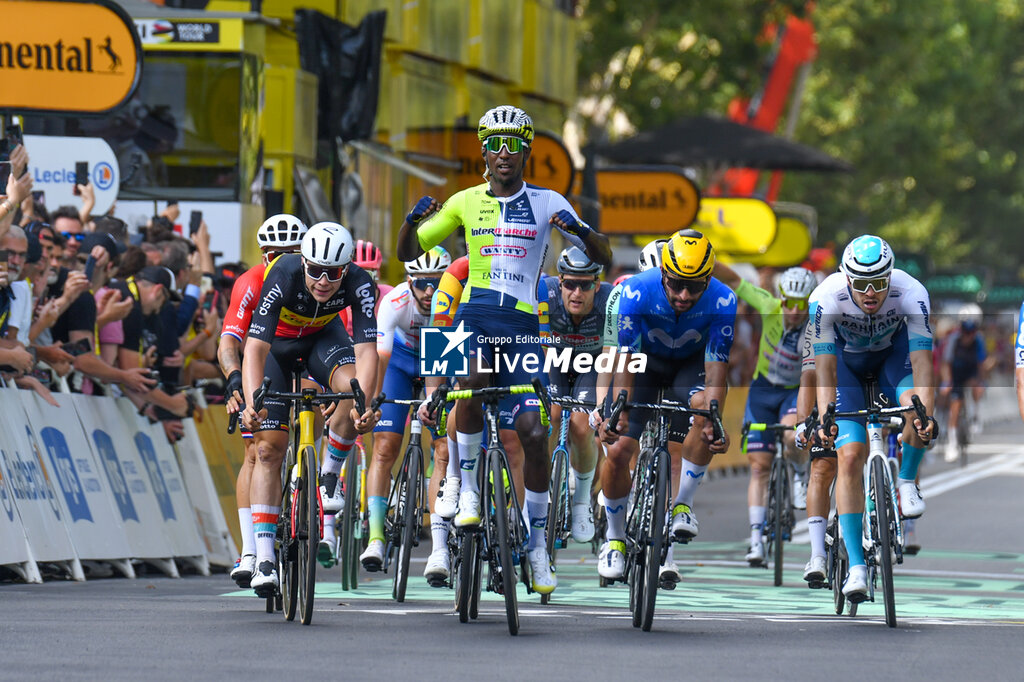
(496, 392)
(264, 392)
(233, 420)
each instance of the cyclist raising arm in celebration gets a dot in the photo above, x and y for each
(508, 227)
(773, 392)
(872, 319)
(683, 319)
(297, 317)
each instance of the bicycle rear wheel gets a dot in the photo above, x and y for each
(287, 555)
(835, 565)
(409, 516)
(349, 558)
(884, 515)
(637, 526)
(465, 561)
(557, 508)
(503, 539)
(308, 535)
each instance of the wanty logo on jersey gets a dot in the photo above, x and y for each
(444, 352)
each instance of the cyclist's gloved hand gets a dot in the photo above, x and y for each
(423, 209)
(595, 418)
(422, 413)
(801, 435)
(233, 385)
(926, 431)
(568, 222)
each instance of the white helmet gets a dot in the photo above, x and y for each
(281, 230)
(573, 261)
(797, 283)
(506, 120)
(650, 257)
(867, 257)
(433, 261)
(328, 244)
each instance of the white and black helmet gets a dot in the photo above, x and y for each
(797, 283)
(573, 261)
(650, 257)
(506, 120)
(328, 244)
(867, 257)
(432, 261)
(280, 231)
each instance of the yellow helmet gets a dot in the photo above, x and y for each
(688, 254)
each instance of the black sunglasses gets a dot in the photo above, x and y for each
(581, 284)
(424, 283)
(334, 272)
(693, 286)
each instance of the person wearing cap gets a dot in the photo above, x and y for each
(963, 369)
(149, 289)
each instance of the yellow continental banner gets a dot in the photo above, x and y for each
(791, 246)
(67, 57)
(194, 35)
(737, 225)
(646, 199)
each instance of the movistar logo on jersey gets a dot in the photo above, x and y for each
(444, 352)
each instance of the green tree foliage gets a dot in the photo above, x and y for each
(924, 98)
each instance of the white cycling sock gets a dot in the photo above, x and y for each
(537, 510)
(245, 526)
(264, 519)
(756, 515)
(438, 532)
(583, 482)
(816, 529)
(453, 458)
(689, 478)
(469, 455)
(615, 511)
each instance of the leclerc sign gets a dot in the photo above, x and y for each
(52, 165)
(65, 56)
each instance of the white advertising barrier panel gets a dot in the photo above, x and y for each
(52, 164)
(161, 465)
(34, 498)
(139, 509)
(97, 530)
(220, 547)
(14, 551)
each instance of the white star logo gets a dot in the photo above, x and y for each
(455, 338)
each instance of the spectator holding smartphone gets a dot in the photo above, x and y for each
(19, 187)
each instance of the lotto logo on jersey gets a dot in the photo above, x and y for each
(444, 352)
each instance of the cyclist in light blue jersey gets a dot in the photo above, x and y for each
(871, 318)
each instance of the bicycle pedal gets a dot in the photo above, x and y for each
(667, 584)
(816, 584)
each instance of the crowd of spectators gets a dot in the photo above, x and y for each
(87, 305)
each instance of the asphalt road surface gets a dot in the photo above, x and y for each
(960, 604)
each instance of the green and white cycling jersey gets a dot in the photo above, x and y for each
(506, 239)
(778, 357)
(611, 317)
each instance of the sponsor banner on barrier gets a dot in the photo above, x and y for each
(34, 497)
(13, 543)
(95, 525)
(165, 481)
(126, 475)
(213, 526)
(224, 454)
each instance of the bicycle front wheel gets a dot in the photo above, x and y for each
(287, 553)
(308, 535)
(778, 505)
(465, 562)
(655, 549)
(408, 513)
(503, 538)
(557, 508)
(884, 516)
(835, 564)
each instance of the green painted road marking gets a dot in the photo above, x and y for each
(729, 589)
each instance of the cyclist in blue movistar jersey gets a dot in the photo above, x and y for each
(683, 320)
(872, 318)
(575, 302)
